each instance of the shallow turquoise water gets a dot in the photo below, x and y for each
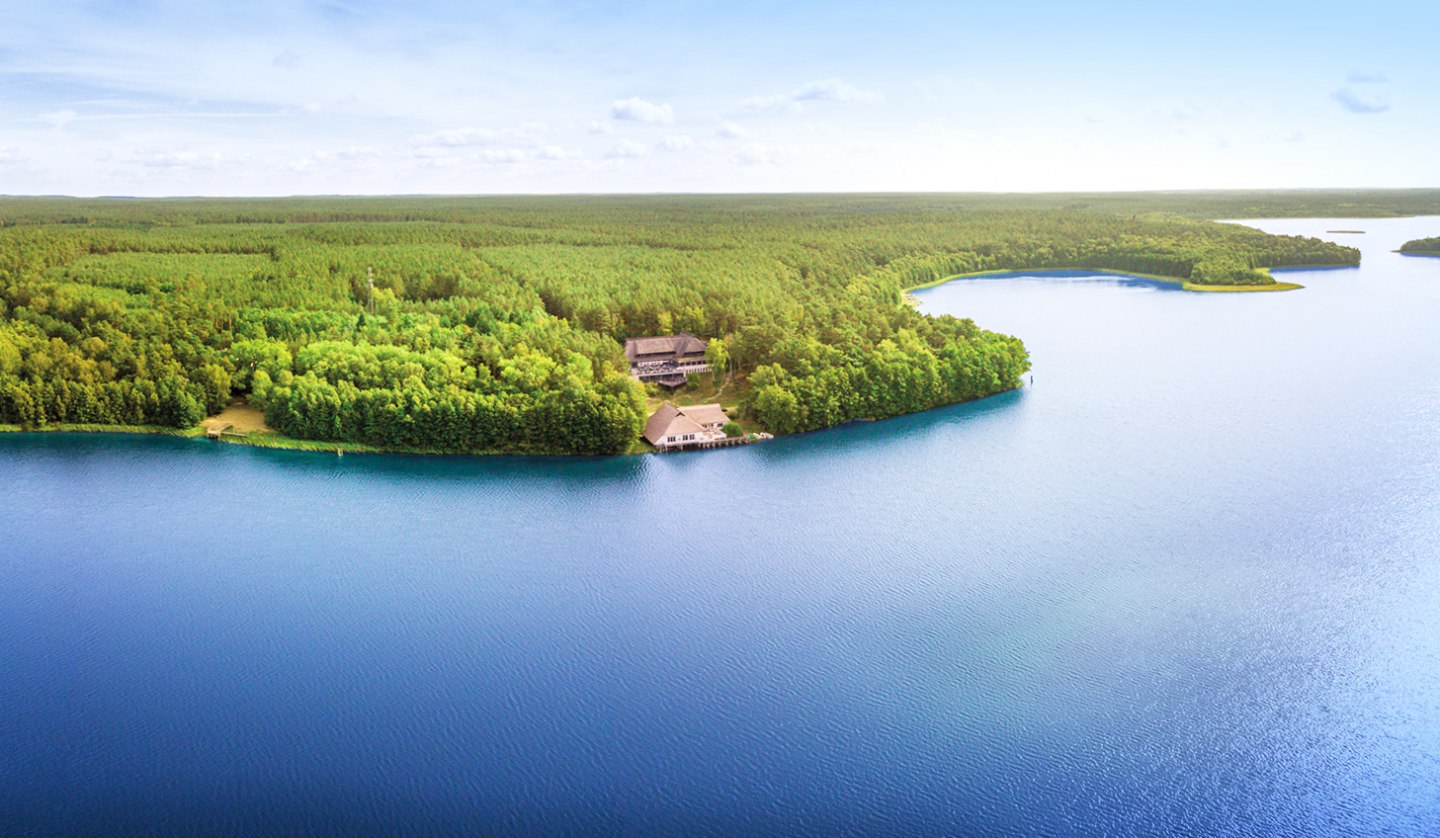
(1186, 582)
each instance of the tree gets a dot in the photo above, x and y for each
(778, 409)
(717, 355)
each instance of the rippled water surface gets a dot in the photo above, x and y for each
(1188, 581)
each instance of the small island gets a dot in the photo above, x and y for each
(542, 325)
(1422, 247)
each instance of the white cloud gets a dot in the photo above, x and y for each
(362, 157)
(600, 128)
(636, 109)
(441, 163)
(1359, 77)
(755, 154)
(833, 90)
(824, 90)
(1357, 102)
(630, 148)
(187, 160)
(354, 152)
(677, 142)
(503, 155)
(458, 138)
(554, 152)
(431, 157)
(528, 134)
(432, 152)
(731, 131)
(168, 159)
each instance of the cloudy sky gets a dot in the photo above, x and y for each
(264, 97)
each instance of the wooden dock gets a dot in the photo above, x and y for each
(717, 443)
(221, 431)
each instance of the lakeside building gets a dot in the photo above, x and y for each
(666, 360)
(698, 426)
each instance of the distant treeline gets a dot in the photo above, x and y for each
(497, 324)
(1421, 246)
(527, 211)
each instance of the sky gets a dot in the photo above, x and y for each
(263, 97)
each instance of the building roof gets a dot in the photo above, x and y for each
(670, 420)
(667, 345)
(705, 414)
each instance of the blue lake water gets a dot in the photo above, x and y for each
(1187, 582)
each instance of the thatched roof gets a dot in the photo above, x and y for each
(670, 420)
(660, 348)
(705, 414)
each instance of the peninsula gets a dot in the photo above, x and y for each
(484, 325)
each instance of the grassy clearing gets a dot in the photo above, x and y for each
(701, 389)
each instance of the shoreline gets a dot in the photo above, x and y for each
(1185, 285)
(280, 442)
(85, 428)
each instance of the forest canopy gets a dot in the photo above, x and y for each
(497, 324)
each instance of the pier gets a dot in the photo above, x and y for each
(719, 442)
(221, 431)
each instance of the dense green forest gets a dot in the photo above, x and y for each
(496, 324)
(1426, 246)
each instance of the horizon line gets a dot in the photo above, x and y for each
(678, 194)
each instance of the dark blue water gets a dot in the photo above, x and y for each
(1188, 582)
